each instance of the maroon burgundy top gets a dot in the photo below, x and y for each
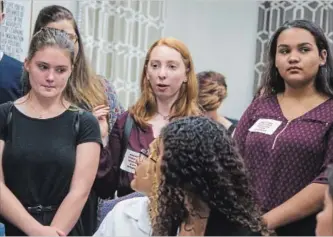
(302, 150)
(109, 176)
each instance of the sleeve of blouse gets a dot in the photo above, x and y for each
(328, 159)
(106, 182)
(116, 109)
(243, 127)
(89, 129)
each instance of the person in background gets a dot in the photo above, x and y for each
(169, 90)
(203, 186)
(325, 217)
(10, 72)
(212, 91)
(49, 148)
(286, 135)
(91, 92)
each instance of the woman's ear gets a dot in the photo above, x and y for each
(323, 57)
(26, 64)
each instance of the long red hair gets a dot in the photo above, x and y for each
(186, 104)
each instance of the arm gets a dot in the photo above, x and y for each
(306, 202)
(297, 207)
(83, 178)
(87, 156)
(242, 128)
(107, 178)
(15, 213)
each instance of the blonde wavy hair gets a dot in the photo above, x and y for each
(212, 90)
(186, 104)
(154, 155)
(84, 86)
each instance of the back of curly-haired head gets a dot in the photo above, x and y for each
(212, 90)
(200, 158)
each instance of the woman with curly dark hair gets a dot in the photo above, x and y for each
(204, 188)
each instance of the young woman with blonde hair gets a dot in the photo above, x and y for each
(88, 91)
(49, 149)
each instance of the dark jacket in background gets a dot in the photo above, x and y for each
(10, 79)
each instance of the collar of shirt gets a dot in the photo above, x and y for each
(1, 55)
(139, 212)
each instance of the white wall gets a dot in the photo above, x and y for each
(221, 36)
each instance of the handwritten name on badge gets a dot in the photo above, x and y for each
(265, 126)
(130, 161)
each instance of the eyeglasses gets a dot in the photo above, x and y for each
(153, 158)
(145, 154)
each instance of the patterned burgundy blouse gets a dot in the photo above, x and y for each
(296, 154)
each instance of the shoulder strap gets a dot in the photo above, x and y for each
(10, 116)
(8, 119)
(127, 131)
(77, 124)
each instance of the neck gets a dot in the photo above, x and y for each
(196, 222)
(194, 203)
(300, 93)
(45, 104)
(213, 115)
(164, 106)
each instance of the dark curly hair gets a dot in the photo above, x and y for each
(200, 158)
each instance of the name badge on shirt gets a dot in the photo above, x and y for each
(130, 161)
(265, 126)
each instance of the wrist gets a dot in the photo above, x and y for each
(272, 219)
(31, 229)
(105, 140)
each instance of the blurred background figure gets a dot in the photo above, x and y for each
(10, 71)
(212, 92)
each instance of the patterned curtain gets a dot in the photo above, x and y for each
(117, 35)
(272, 14)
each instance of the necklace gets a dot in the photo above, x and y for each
(39, 115)
(165, 117)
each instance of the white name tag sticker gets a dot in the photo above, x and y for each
(265, 126)
(130, 161)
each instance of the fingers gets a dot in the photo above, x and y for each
(100, 107)
(101, 112)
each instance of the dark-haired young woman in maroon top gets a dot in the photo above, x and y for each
(286, 134)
